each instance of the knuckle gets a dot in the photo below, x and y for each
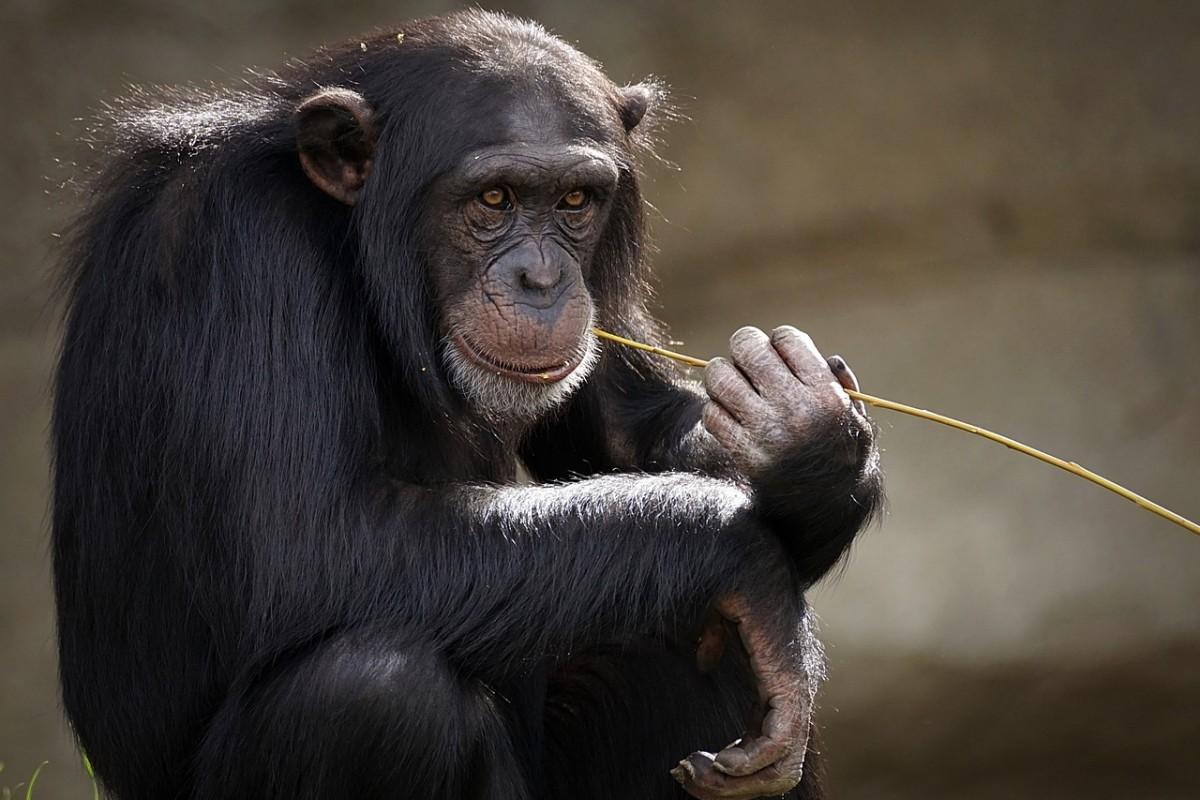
(785, 331)
(727, 381)
(722, 427)
(792, 337)
(747, 340)
(724, 380)
(714, 371)
(746, 332)
(716, 365)
(723, 387)
(711, 416)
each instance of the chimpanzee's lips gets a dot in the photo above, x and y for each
(549, 373)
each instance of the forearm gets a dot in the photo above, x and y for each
(527, 566)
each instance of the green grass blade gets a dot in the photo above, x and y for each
(33, 780)
(87, 764)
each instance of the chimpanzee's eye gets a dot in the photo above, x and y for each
(496, 198)
(574, 200)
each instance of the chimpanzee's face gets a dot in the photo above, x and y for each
(520, 222)
(509, 232)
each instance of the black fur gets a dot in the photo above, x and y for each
(290, 562)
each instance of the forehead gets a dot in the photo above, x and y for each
(539, 136)
(550, 112)
(539, 80)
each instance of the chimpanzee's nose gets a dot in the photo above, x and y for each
(540, 275)
(533, 270)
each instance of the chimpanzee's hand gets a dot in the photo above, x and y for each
(776, 396)
(787, 663)
(781, 410)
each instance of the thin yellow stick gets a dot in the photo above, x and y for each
(1069, 466)
(691, 361)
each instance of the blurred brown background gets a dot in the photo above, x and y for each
(990, 208)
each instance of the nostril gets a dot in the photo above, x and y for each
(541, 277)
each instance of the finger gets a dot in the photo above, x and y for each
(801, 355)
(758, 360)
(784, 730)
(728, 386)
(727, 430)
(841, 371)
(847, 378)
(699, 777)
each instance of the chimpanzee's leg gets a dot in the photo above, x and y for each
(360, 716)
(619, 719)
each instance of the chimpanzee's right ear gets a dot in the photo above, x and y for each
(335, 136)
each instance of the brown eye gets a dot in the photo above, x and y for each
(495, 198)
(574, 200)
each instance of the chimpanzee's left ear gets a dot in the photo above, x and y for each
(335, 134)
(635, 101)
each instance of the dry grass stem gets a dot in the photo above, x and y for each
(879, 402)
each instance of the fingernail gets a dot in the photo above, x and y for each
(684, 771)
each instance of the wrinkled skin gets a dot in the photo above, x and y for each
(512, 278)
(774, 394)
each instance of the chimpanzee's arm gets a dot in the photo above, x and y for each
(777, 421)
(533, 570)
(504, 577)
(825, 482)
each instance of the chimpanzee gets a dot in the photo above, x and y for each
(316, 327)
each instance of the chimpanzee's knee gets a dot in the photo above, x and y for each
(359, 716)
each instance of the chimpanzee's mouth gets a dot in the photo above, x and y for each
(548, 373)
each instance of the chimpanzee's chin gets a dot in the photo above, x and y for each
(516, 395)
